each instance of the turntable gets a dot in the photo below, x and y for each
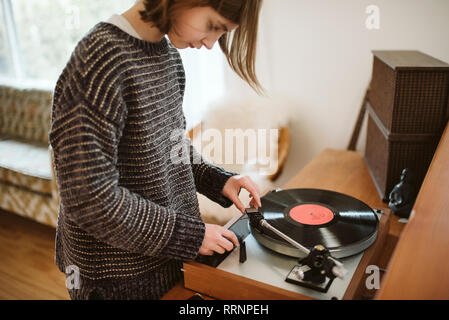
(301, 243)
(344, 225)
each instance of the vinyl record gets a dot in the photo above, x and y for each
(345, 225)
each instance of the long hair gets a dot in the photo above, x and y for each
(239, 46)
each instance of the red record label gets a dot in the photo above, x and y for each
(311, 214)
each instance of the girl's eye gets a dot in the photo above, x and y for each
(212, 27)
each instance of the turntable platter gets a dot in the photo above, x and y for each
(343, 224)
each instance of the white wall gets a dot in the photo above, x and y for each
(318, 52)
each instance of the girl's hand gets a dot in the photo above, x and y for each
(217, 239)
(232, 188)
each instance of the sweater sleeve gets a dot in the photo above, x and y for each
(85, 144)
(209, 178)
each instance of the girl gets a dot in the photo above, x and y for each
(129, 212)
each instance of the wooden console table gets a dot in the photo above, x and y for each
(419, 266)
(341, 171)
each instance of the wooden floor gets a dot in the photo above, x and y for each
(27, 268)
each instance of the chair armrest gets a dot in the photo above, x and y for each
(283, 149)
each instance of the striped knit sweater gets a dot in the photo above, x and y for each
(129, 212)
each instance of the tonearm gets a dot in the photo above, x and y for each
(317, 270)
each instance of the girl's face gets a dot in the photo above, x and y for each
(198, 27)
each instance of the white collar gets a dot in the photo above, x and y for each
(121, 22)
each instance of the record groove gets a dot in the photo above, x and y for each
(343, 224)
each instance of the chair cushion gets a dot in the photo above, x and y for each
(29, 204)
(26, 165)
(224, 122)
(25, 113)
(247, 131)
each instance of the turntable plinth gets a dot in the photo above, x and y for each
(336, 170)
(221, 284)
(227, 286)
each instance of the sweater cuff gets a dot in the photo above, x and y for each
(215, 179)
(186, 238)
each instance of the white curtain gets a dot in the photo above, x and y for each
(204, 81)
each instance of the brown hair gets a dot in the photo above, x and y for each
(238, 47)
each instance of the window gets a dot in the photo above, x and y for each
(6, 63)
(38, 36)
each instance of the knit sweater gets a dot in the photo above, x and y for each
(127, 175)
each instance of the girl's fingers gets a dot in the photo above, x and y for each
(218, 239)
(252, 203)
(218, 248)
(236, 200)
(253, 190)
(231, 236)
(206, 252)
(225, 244)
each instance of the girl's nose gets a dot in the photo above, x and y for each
(208, 44)
(210, 41)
